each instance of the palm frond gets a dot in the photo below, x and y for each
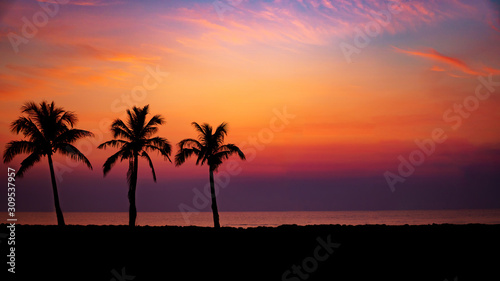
(186, 148)
(28, 162)
(160, 145)
(48, 118)
(27, 127)
(66, 118)
(32, 110)
(156, 141)
(152, 126)
(136, 130)
(203, 155)
(14, 148)
(112, 143)
(207, 136)
(164, 150)
(219, 134)
(156, 120)
(72, 135)
(119, 129)
(48, 128)
(204, 132)
(198, 127)
(128, 151)
(188, 143)
(147, 132)
(210, 148)
(223, 153)
(110, 162)
(73, 152)
(233, 149)
(184, 154)
(131, 121)
(145, 155)
(140, 119)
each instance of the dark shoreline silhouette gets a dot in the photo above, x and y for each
(369, 252)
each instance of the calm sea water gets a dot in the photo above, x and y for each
(253, 219)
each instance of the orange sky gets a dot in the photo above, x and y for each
(353, 116)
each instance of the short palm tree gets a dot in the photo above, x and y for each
(48, 129)
(210, 149)
(133, 138)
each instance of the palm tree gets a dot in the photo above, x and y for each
(135, 141)
(210, 149)
(48, 130)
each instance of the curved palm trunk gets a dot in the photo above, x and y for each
(132, 212)
(60, 217)
(215, 212)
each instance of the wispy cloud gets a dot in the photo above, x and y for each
(436, 56)
(492, 70)
(314, 22)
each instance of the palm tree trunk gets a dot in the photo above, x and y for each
(60, 217)
(132, 212)
(214, 200)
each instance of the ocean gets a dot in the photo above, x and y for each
(255, 219)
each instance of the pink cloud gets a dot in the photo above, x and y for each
(436, 56)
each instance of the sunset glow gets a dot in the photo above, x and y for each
(325, 95)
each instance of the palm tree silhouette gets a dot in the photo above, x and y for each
(136, 141)
(209, 148)
(49, 129)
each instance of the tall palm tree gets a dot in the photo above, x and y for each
(133, 138)
(48, 129)
(210, 149)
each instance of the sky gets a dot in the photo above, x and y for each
(339, 105)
